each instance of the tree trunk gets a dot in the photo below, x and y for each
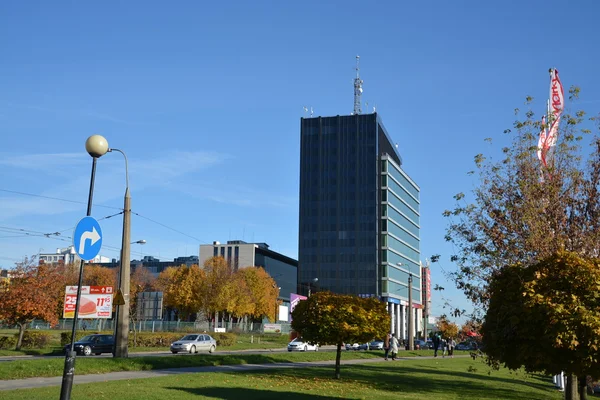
(338, 357)
(571, 387)
(582, 387)
(20, 339)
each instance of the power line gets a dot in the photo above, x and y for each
(168, 227)
(55, 198)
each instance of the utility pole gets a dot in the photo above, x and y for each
(411, 321)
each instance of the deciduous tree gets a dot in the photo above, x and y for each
(546, 317)
(447, 328)
(521, 214)
(180, 286)
(27, 297)
(335, 319)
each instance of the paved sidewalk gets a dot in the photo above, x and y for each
(124, 375)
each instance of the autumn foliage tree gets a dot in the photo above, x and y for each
(521, 215)
(27, 297)
(447, 328)
(335, 319)
(180, 286)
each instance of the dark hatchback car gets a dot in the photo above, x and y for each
(93, 344)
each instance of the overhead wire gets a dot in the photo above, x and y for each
(56, 198)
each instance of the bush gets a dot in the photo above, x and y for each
(157, 339)
(34, 339)
(225, 339)
(7, 343)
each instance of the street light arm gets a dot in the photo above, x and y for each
(126, 166)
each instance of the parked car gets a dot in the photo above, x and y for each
(352, 346)
(300, 344)
(421, 344)
(466, 346)
(376, 345)
(93, 344)
(193, 343)
(363, 346)
(430, 344)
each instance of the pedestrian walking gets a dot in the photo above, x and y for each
(436, 344)
(394, 346)
(386, 345)
(444, 347)
(451, 345)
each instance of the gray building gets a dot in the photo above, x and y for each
(359, 229)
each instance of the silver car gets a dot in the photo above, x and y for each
(193, 343)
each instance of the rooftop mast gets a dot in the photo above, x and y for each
(357, 89)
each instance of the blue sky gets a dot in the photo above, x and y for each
(206, 101)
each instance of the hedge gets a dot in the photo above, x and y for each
(34, 339)
(156, 339)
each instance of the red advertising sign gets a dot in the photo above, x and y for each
(96, 302)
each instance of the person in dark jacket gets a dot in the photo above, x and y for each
(436, 344)
(386, 345)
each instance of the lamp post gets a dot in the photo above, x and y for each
(96, 146)
(277, 302)
(411, 338)
(122, 328)
(315, 280)
(424, 275)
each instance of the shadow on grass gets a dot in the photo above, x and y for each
(415, 379)
(249, 394)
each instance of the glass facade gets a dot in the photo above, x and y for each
(400, 242)
(358, 210)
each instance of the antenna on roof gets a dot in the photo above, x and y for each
(305, 109)
(311, 111)
(357, 88)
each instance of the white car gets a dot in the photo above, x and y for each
(353, 346)
(194, 343)
(299, 344)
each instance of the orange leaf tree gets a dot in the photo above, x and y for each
(446, 328)
(95, 275)
(263, 291)
(26, 297)
(180, 286)
(328, 318)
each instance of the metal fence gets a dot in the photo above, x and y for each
(163, 326)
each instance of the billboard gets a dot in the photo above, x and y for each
(95, 302)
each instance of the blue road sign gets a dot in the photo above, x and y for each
(87, 238)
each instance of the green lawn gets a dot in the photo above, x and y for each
(28, 368)
(420, 379)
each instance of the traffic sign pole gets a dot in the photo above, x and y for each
(69, 370)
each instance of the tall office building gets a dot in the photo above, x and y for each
(359, 214)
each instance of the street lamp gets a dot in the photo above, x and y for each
(277, 302)
(411, 338)
(122, 328)
(96, 146)
(315, 280)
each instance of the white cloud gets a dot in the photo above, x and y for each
(110, 178)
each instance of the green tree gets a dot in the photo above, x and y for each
(521, 213)
(545, 317)
(335, 319)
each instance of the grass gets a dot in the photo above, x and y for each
(29, 368)
(443, 379)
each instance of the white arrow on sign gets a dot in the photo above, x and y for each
(93, 236)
